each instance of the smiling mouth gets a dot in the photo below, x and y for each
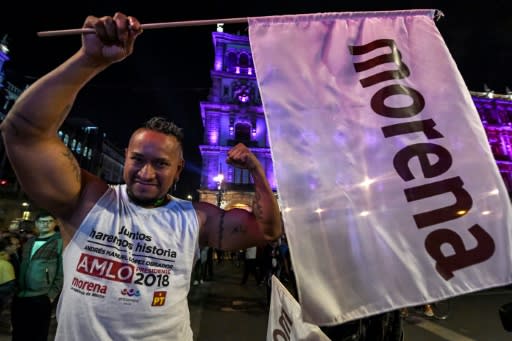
(145, 183)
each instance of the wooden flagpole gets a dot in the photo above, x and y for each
(147, 26)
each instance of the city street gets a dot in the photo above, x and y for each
(223, 310)
(473, 317)
(226, 311)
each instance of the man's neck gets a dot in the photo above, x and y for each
(162, 201)
(46, 235)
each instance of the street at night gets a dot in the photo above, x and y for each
(223, 310)
(362, 152)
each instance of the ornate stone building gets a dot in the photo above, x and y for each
(496, 115)
(233, 113)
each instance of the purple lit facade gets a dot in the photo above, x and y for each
(234, 113)
(496, 115)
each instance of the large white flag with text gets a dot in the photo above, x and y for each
(389, 191)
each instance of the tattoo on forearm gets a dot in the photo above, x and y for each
(257, 209)
(74, 164)
(221, 228)
(239, 229)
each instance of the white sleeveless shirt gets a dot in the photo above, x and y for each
(127, 272)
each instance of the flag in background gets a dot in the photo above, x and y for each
(389, 191)
(285, 320)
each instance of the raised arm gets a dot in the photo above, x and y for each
(237, 228)
(45, 167)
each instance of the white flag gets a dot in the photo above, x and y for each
(389, 190)
(285, 319)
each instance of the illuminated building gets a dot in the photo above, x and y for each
(233, 113)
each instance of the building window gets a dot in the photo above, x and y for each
(243, 61)
(242, 132)
(231, 59)
(241, 176)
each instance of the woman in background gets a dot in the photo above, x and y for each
(7, 276)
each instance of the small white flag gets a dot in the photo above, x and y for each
(285, 319)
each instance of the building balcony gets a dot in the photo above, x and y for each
(250, 144)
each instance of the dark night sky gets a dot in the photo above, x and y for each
(169, 72)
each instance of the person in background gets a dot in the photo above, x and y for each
(208, 275)
(427, 311)
(239, 257)
(284, 250)
(14, 226)
(220, 255)
(272, 264)
(130, 248)
(250, 266)
(14, 240)
(40, 281)
(26, 230)
(200, 267)
(7, 274)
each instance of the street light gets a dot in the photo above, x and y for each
(25, 208)
(219, 178)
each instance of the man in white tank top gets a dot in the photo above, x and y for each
(129, 249)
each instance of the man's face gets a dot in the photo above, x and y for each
(46, 225)
(13, 246)
(14, 226)
(153, 163)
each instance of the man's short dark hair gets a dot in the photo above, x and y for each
(164, 126)
(43, 214)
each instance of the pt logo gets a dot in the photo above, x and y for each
(158, 298)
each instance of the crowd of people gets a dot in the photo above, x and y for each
(258, 262)
(31, 275)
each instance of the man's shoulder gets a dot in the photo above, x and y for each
(202, 205)
(204, 211)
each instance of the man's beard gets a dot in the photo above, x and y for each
(150, 202)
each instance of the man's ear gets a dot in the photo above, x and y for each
(180, 167)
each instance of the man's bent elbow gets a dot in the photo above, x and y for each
(272, 232)
(9, 131)
(3, 128)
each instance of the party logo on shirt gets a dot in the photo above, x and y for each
(130, 292)
(129, 296)
(158, 298)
